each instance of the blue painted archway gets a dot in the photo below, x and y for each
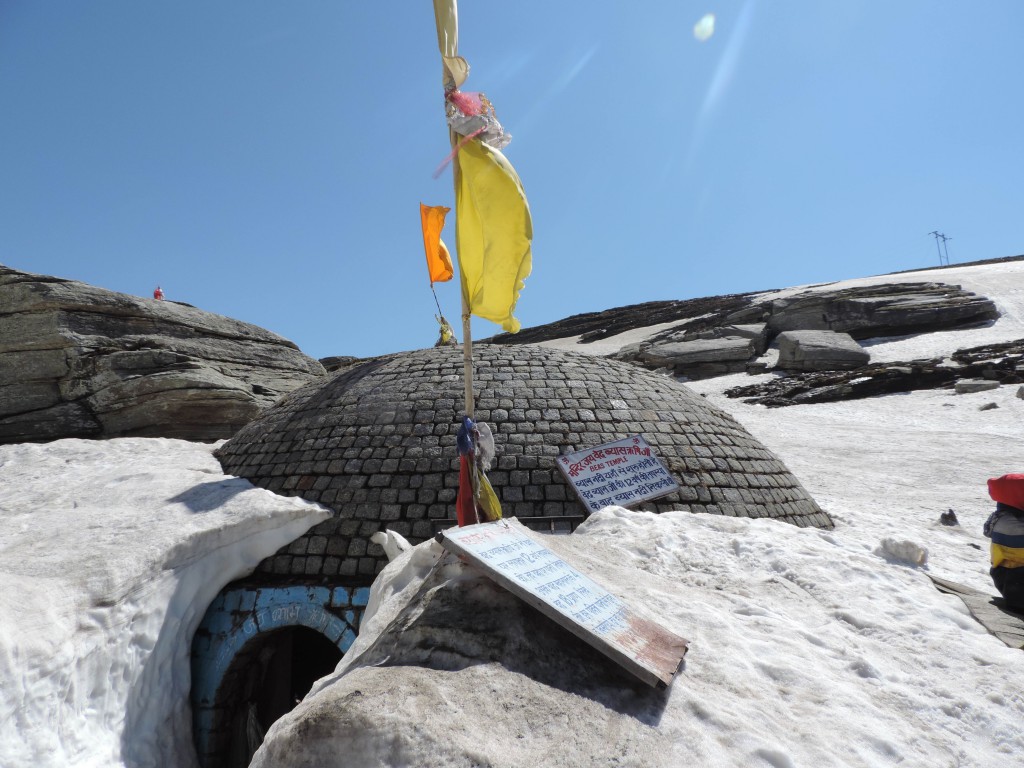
(243, 617)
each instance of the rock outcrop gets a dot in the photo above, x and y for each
(593, 326)
(701, 354)
(819, 351)
(996, 363)
(726, 334)
(732, 335)
(700, 358)
(81, 361)
(895, 309)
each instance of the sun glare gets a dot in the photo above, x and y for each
(705, 28)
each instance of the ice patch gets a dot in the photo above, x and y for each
(902, 551)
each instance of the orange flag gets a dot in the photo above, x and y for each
(439, 261)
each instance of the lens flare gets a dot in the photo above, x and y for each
(705, 28)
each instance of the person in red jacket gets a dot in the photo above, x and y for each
(1005, 527)
(158, 294)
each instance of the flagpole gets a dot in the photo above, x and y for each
(467, 358)
(454, 71)
(467, 336)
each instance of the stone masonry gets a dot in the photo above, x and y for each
(376, 443)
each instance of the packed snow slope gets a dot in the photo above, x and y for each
(807, 647)
(110, 552)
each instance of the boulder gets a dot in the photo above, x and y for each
(893, 309)
(819, 351)
(969, 386)
(756, 331)
(701, 358)
(681, 353)
(451, 646)
(81, 361)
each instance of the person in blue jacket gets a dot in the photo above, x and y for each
(1005, 527)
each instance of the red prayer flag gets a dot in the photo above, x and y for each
(465, 504)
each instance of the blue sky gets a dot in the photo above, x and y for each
(265, 160)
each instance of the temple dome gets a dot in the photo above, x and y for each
(376, 443)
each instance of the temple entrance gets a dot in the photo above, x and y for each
(266, 681)
(256, 654)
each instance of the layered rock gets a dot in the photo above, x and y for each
(819, 351)
(730, 338)
(726, 334)
(81, 361)
(700, 358)
(896, 309)
(997, 363)
(593, 326)
(702, 354)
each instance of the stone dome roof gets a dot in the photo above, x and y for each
(376, 443)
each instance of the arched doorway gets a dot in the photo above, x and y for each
(265, 681)
(256, 654)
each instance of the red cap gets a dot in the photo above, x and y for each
(1008, 489)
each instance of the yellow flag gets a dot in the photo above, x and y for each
(493, 231)
(488, 500)
(439, 261)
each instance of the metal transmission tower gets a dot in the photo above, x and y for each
(943, 260)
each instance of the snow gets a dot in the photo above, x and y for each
(110, 553)
(807, 647)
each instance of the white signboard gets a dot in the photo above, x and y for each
(621, 473)
(510, 555)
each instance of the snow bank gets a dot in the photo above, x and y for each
(806, 649)
(110, 552)
(452, 670)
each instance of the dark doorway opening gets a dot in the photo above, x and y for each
(266, 680)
